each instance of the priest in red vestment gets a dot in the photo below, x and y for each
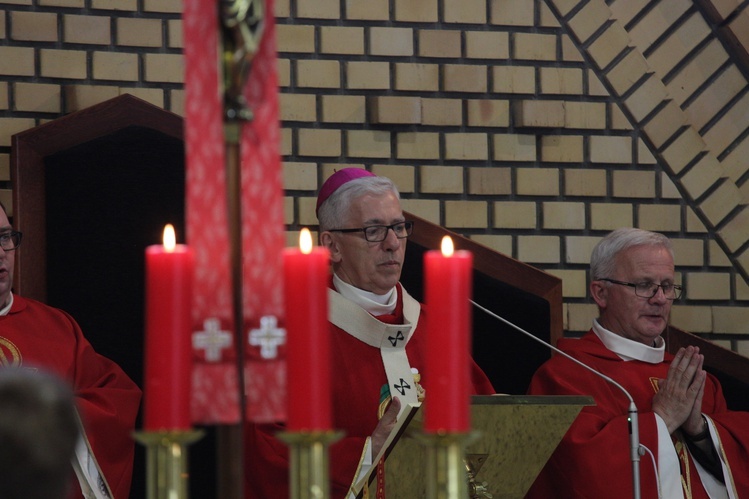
(377, 335)
(36, 336)
(692, 445)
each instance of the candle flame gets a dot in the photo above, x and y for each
(305, 241)
(170, 240)
(447, 246)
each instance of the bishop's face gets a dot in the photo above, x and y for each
(371, 266)
(7, 260)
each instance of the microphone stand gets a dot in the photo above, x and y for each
(633, 418)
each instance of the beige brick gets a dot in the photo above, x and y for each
(395, 110)
(608, 45)
(347, 40)
(742, 261)
(565, 6)
(694, 223)
(368, 143)
(617, 119)
(580, 316)
(401, 175)
(57, 3)
(539, 249)
(717, 257)
(680, 43)
(716, 96)
(418, 145)
(610, 216)
(563, 215)
(570, 53)
(489, 181)
(298, 38)
(288, 218)
(441, 179)
(487, 45)
(38, 97)
(317, 73)
(708, 286)
(439, 43)
(514, 147)
(371, 10)
(165, 68)
(175, 37)
(2, 24)
(115, 66)
(735, 164)
(417, 77)
(729, 127)
(442, 112)
(739, 26)
(515, 215)
(465, 78)
(87, 29)
(584, 182)
(547, 19)
(500, 244)
(344, 108)
(488, 113)
(695, 319)
(665, 124)
(683, 150)
(299, 176)
(538, 182)
(634, 184)
(561, 80)
(77, 97)
(287, 141)
(627, 72)
(689, 78)
(139, 32)
(428, 209)
(318, 9)
(625, 10)
(284, 72)
(645, 98)
(595, 85)
(16, 61)
(562, 148)
(574, 282)
(464, 11)
(316, 142)
(610, 149)
(5, 98)
(63, 63)
(166, 6)
(742, 288)
(514, 79)
(297, 107)
(424, 11)
(668, 188)
(579, 248)
(11, 126)
(33, 26)
(538, 113)
(466, 146)
(584, 115)
(688, 252)
(466, 214)
(659, 218)
(720, 202)
(511, 12)
(535, 47)
(306, 207)
(153, 96)
(367, 75)
(5, 171)
(122, 5)
(701, 176)
(644, 155)
(387, 41)
(588, 20)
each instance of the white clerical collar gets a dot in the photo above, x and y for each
(6, 308)
(373, 303)
(628, 349)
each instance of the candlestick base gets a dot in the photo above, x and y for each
(309, 476)
(446, 465)
(166, 462)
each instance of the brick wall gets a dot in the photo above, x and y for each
(532, 126)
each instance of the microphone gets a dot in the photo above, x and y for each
(636, 450)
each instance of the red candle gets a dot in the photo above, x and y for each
(169, 275)
(448, 289)
(308, 366)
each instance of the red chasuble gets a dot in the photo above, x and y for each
(35, 336)
(358, 375)
(593, 459)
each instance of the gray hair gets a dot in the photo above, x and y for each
(333, 213)
(603, 257)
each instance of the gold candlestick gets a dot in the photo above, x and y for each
(309, 476)
(446, 465)
(166, 462)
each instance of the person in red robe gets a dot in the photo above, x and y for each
(692, 445)
(377, 336)
(36, 336)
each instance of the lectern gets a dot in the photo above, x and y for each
(515, 436)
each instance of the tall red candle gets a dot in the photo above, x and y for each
(448, 289)
(169, 276)
(308, 367)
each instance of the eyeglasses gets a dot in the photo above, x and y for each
(10, 240)
(378, 233)
(649, 289)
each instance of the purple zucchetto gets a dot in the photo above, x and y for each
(337, 180)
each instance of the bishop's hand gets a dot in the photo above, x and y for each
(385, 426)
(679, 397)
